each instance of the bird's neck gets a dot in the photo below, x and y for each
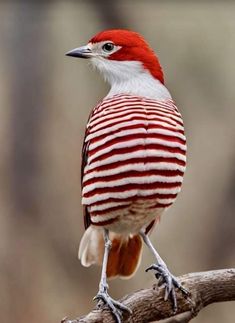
(143, 84)
(130, 77)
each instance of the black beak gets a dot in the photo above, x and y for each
(82, 52)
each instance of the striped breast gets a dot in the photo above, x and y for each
(134, 158)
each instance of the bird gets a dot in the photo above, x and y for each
(133, 161)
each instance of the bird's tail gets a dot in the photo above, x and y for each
(124, 256)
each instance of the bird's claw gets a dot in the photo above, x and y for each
(165, 277)
(116, 307)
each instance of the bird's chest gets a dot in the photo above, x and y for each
(134, 162)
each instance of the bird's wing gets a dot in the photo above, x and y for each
(86, 215)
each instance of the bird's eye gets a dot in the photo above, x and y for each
(108, 47)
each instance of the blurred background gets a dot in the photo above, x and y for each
(45, 100)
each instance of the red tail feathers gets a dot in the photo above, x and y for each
(124, 256)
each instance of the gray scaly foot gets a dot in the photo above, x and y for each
(171, 283)
(116, 307)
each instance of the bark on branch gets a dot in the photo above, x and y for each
(147, 305)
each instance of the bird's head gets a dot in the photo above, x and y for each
(120, 55)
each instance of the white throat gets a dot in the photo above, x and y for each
(130, 77)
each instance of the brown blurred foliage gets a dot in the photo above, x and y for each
(45, 100)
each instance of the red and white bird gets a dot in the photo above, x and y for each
(134, 158)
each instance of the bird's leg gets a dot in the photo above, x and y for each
(103, 297)
(163, 274)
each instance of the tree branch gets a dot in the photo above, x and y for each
(147, 305)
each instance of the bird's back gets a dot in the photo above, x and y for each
(134, 160)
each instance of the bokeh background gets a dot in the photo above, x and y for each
(45, 99)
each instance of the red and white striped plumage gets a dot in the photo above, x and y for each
(134, 159)
(134, 152)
